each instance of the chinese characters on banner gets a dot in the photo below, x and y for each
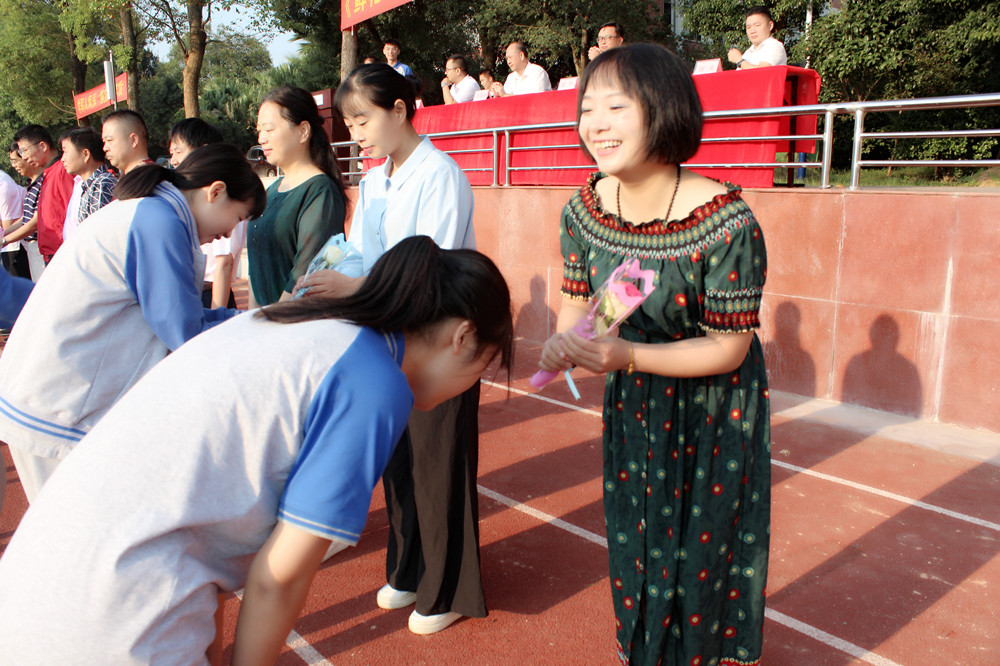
(96, 98)
(353, 12)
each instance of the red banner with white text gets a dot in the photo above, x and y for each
(353, 12)
(96, 98)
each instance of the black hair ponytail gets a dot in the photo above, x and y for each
(415, 286)
(202, 167)
(378, 84)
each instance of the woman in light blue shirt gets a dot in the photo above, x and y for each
(419, 190)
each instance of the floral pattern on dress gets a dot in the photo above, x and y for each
(686, 460)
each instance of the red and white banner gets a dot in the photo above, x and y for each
(96, 98)
(353, 12)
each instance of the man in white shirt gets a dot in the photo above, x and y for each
(765, 50)
(11, 202)
(457, 86)
(525, 77)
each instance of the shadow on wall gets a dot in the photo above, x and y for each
(535, 318)
(789, 366)
(881, 377)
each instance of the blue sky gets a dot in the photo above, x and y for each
(280, 45)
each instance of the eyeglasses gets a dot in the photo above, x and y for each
(451, 69)
(606, 38)
(21, 151)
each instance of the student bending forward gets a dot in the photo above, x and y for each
(187, 488)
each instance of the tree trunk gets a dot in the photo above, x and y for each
(488, 48)
(348, 61)
(78, 70)
(197, 39)
(348, 52)
(132, 67)
(580, 57)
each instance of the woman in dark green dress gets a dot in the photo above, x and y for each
(305, 207)
(686, 413)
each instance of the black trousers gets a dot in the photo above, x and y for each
(206, 297)
(433, 505)
(16, 263)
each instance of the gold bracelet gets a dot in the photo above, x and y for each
(631, 359)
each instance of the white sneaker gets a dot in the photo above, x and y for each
(390, 598)
(431, 624)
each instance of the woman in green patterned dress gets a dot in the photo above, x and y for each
(686, 414)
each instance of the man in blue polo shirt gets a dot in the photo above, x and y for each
(391, 51)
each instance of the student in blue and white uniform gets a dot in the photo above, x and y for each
(124, 552)
(433, 556)
(123, 293)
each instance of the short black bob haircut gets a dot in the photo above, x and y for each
(662, 85)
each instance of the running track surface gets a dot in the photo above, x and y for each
(885, 544)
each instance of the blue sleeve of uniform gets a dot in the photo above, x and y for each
(354, 421)
(159, 270)
(13, 294)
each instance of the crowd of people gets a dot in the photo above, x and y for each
(174, 451)
(526, 77)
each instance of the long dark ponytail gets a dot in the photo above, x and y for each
(297, 106)
(413, 287)
(202, 167)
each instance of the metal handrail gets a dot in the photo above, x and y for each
(858, 109)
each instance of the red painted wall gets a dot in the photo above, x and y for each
(886, 299)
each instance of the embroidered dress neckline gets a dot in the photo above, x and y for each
(606, 218)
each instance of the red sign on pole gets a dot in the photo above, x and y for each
(96, 98)
(353, 12)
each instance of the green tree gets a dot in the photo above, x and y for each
(230, 54)
(39, 62)
(187, 23)
(906, 49)
(161, 99)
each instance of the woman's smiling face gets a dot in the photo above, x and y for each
(613, 127)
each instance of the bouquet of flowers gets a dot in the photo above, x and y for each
(339, 255)
(624, 291)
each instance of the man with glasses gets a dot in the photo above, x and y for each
(457, 85)
(34, 145)
(17, 233)
(609, 36)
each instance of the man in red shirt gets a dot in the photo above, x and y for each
(34, 144)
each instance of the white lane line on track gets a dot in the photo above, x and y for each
(773, 615)
(893, 496)
(299, 645)
(828, 639)
(551, 401)
(544, 517)
(801, 470)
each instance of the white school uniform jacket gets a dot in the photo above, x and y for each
(166, 502)
(122, 293)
